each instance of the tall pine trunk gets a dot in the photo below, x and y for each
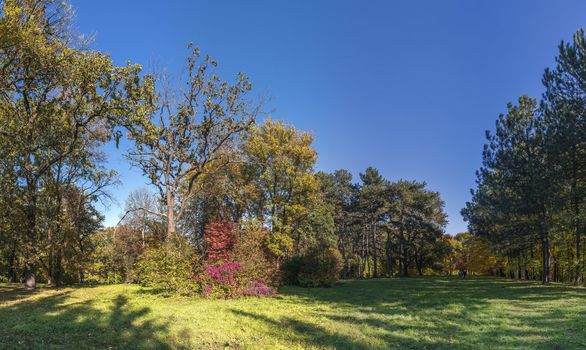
(389, 252)
(374, 252)
(545, 256)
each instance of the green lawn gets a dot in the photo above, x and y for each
(416, 313)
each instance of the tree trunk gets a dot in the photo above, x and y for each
(30, 281)
(374, 253)
(171, 225)
(389, 255)
(50, 269)
(545, 257)
(556, 276)
(405, 272)
(11, 270)
(367, 267)
(59, 269)
(576, 208)
(578, 271)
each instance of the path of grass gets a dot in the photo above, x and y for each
(418, 313)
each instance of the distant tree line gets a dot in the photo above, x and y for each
(234, 206)
(529, 202)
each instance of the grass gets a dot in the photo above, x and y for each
(416, 313)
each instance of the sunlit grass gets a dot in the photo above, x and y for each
(418, 313)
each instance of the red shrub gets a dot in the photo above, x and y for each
(236, 266)
(219, 239)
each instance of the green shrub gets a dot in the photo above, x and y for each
(320, 267)
(250, 250)
(170, 269)
(290, 270)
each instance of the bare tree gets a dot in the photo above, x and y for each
(141, 210)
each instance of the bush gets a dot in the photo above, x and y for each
(255, 259)
(320, 267)
(219, 280)
(219, 237)
(170, 269)
(240, 267)
(258, 289)
(291, 269)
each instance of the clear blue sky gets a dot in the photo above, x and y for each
(406, 86)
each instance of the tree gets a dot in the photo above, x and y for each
(282, 160)
(371, 202)
(475, 255)
(418, 218)
(191, 134)
(57, 99)
(140, 214)
(515, 199)
(564, 108)
(339, 191)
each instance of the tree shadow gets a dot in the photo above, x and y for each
(415, 313)
(304, 333)
(448, 313)
(57, 319)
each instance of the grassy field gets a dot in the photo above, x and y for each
(417, 313)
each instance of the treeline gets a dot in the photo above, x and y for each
(530, 196)
(234, 206)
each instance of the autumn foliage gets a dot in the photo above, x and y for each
(237, 262)
(219, 238)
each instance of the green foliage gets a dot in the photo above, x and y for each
(476, 255)
(279, 244)
(170, 268)
(61, 102)
(281, 159)
(320, 267)
(290, 270)
(251, 251)
(192, 133)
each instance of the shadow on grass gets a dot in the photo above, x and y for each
(306, 333)
(53, 319)
(415, 313)
(437, 313)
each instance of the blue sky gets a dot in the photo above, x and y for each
(406, 86)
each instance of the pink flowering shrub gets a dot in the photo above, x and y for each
(220, 280)
(237, 262)
(223, 274)
(258, 288)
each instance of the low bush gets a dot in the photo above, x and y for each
(237, 263)
(220, 280)
(290, 270)
(250, 249)
(258, 288)
(170, 269)
(320, 267)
